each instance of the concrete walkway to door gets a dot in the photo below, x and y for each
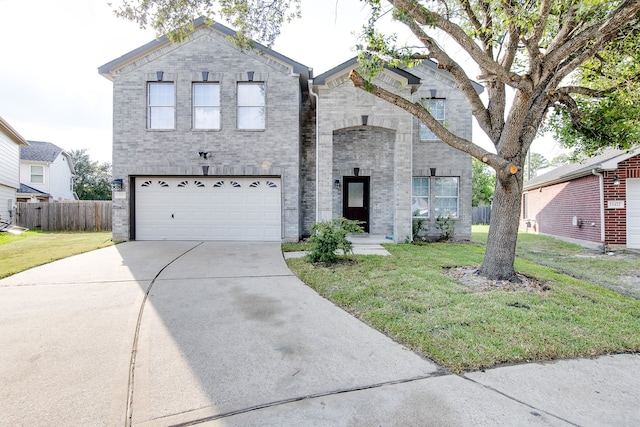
(223, 334)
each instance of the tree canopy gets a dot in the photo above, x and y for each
(606, 112)
(529, 47)
(93, 179)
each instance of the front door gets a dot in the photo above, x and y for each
(356, 200)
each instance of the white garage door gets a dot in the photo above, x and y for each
(633, 213)
(200, 208)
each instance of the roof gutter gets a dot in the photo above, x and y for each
(601, 187)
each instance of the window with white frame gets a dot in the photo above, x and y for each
(206, 106)
(37, 174)
(435, 106)
(161, 106)
(446, 197)
(251, 106)
(420, 197)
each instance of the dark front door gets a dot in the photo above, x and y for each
(356, 200)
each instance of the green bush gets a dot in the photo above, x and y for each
(329, 236)
(420, 230)
(447, 227)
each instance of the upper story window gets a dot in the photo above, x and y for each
(251, 106)
(206, 105)
(420, 197)
(446, 197)
(37, 174)
(436, 106)
(161, 106)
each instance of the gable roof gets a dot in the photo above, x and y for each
(411, 78)
(40, 151)
(146, 49)
(12, 133)
(608, 160)
(353, 62)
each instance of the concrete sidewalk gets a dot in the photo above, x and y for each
(223, 334)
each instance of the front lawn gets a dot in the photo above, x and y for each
(33, 248)
(409, 297)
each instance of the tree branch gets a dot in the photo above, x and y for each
(438, 129)
(423, 16)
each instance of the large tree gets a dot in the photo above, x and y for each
(530, 47)
(93, 179)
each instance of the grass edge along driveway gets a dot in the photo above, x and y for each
(409, 297)
(34, 248)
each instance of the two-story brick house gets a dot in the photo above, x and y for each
(216, 143)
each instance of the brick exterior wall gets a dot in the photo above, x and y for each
(308, 148)
(371, 149)
(388, 149)
(448, 161)
(552, 208)
(616, 218)
(272, 152)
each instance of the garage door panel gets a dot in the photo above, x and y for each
(633, 213)
(208, 209)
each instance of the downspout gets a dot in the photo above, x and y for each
(315, 95)
(601, 186)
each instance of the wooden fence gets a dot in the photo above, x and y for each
(481, 215)
(83, 215)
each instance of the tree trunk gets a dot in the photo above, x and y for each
(503, 230)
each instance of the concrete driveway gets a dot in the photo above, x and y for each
(223, 334)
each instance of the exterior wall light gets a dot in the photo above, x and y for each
(356, 171)
(250, 76)
(159, 75)
(365, 119)
(117, 184)
(205, 76)
(616, 180)
(205, 170)
(204, 154)
(336, 184)
(433, 171)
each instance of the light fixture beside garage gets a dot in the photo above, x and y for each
(616, 180)
(206, 155)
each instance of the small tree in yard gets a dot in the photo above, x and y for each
(530, 47)
(329, 236)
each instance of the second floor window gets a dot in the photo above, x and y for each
(251, 106)
(161, 106)
(206, 106)
(37, 174)
(436, 107)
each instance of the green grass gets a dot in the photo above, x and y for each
(33, 248)
(295, 247)
(575, 260)
(408, 297)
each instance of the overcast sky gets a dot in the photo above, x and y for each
(50, 89)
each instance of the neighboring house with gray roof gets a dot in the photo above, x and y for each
(31, 195)
(211, 142)
(48, 169)
(10, 143)
(594, 202)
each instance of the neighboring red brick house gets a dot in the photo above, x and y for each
(596, 201)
